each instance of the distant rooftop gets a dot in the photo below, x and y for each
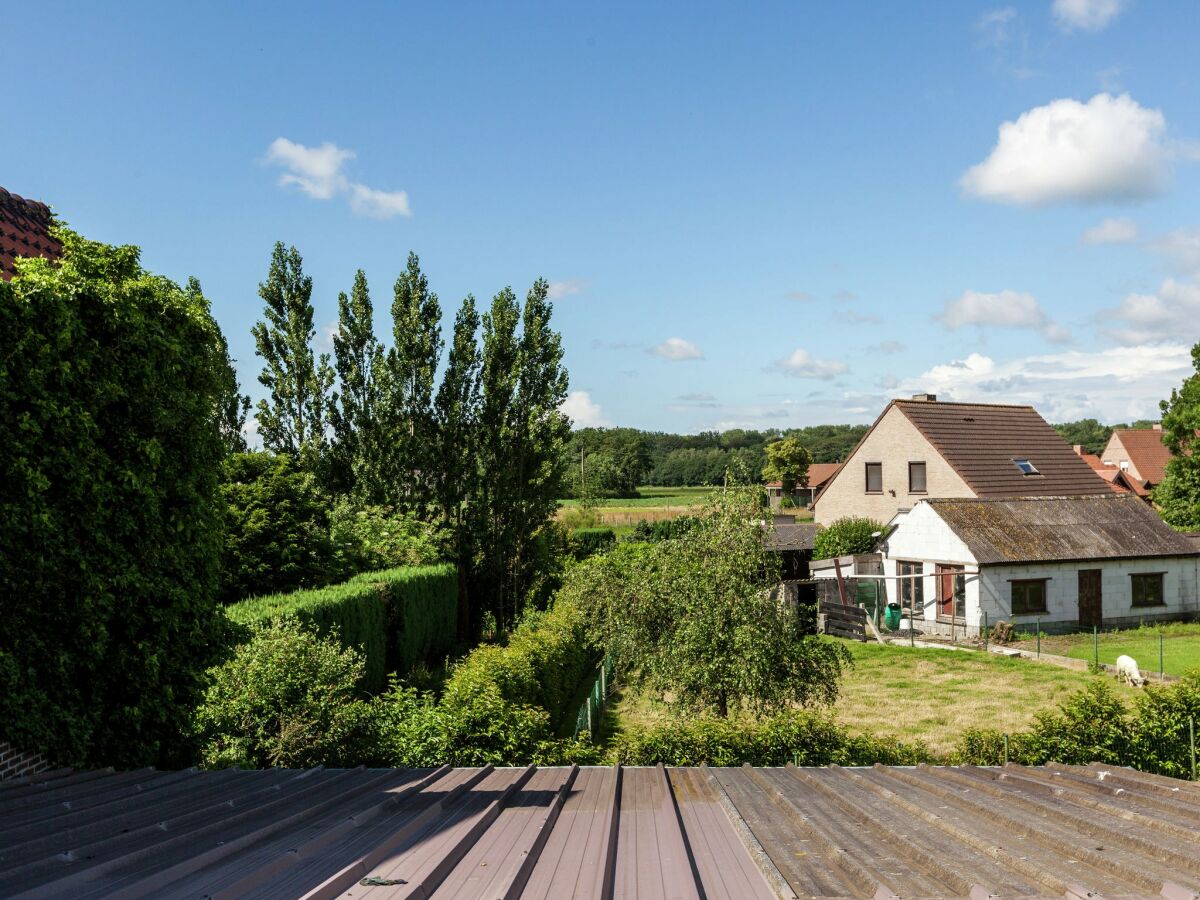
(24, 231)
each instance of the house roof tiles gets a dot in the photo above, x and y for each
(981, 441)
(1060, 529)
(24, 231)
(1146, 450)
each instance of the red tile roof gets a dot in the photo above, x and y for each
(981, 440)
(1146, 450)
(24, 231)
(819, 473)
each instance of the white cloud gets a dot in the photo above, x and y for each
(676, 350)
(802, 296)
(317, 171)
(1004, 309)
(1085, 15)
(1113, 385)
(583, 411)
(994, 25)
(1171, 311)
(1109, 148)
(697, 398)
(1111, 231)
(560, 289)
(1182, 246)
(803, 364)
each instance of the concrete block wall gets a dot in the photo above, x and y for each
(16, 763)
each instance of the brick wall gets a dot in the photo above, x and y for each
(16, 763)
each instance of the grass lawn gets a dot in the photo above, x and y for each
(1180, 640)
(653, 504)
(654, 496)
(935, 695)
(916, 694)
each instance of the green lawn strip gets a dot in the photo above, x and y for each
(1180, 641)
(654, 496)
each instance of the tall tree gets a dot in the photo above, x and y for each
(296, 414)
(1178, 497)
(491, 520)
(412, 365)
(456, 409)
(357, 449)
(232, 405)
(787, 463)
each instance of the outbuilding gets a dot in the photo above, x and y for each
(1104, 560)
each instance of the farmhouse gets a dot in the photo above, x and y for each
(1140, 453)
(818, 475)
(922, 448)
(1069, 561)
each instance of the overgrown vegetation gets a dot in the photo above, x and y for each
(695, 615)
(112, 390)
(847, 536)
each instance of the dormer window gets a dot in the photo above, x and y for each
(1026, 467)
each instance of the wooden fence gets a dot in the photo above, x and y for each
(842, 621)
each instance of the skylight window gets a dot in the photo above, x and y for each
(1026, 467)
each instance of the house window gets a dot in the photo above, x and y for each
(912, 589)
(874, 478)
(1028, 597)
(1026, 467)
(916, 477)
(1148, 589)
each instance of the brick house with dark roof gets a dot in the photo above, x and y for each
(922, 449)
(24, 231)
(1140, 453)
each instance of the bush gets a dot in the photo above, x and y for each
(1158, 740)
(371, 538)
(288, 698)
(845, 537)
(276, 528)
(393, 618)
(109, 507)
(662, 530)
(807, 739)
(587, 541)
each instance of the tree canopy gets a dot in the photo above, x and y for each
(1178, 496)
(787, 463)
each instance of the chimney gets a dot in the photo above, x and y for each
(1078, 448)
(1157, 426)
(925, 398)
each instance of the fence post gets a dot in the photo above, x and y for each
(1039, 638)
(1192, 742)
(603, 686)
(985, 631)
(1006, 749)
(591, 729)
(1096, 647)
(1160, 657)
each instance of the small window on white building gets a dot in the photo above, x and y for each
(1029, 597)
(1026, 467)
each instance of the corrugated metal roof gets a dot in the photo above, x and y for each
(600, 832)
(1045, 529)
(797, 536)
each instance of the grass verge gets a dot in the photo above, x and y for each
(1180, 646)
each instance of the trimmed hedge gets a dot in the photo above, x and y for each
(803, 738)
(395, 618)
(587, 541)
(543, 664)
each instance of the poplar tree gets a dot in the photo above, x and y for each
(356, 464)
(412, 365)
(295, 415)
(456, 410)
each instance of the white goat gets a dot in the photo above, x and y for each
(1127, 670)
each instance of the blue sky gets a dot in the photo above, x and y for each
(753, 215)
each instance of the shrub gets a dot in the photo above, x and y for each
(808, 739)
(1158, 740)
(393, 618)
(288, 698)
(370, 538)
(845, 537)
(588, 541)
(662, 530)
(276, 528)
(109, 507)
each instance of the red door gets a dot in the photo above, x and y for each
(951, 599)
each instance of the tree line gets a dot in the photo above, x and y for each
(475, 453)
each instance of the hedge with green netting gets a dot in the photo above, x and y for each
(396, 617)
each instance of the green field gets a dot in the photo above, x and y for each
(917, 694)
(654, 497)
(1180, 646)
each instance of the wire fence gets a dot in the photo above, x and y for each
(588, 718)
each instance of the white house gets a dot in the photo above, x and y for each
(1068, 561)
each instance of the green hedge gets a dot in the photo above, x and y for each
(803, 738)
(395, 618)
(587, 541)
(543, 664)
